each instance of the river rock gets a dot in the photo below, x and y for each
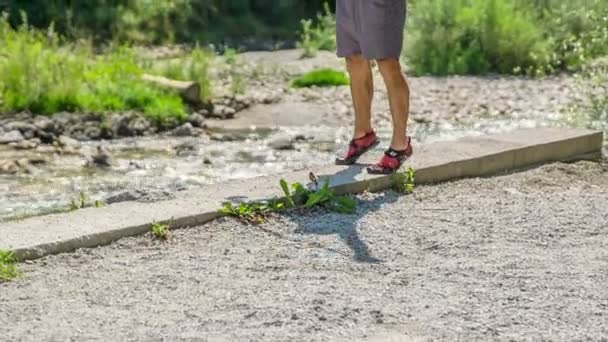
(197, 120)
(67, 142)
(20, 165)
(46, 137)
(26, 144)
(12, 136)
(101, 158)
(223, 112)
(184, 130)
(44, 124)
(282, 142)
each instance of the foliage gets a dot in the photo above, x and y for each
(405, 182)
(167, 21)
(323, 196)
(593, 112)
(43, 74)
(319, 35)
(321, 78)
(473, 37)
(252, 212)
(8, 269)
(505, 36)
(160, 231)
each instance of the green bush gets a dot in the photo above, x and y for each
(577, 30)
(505, 36)
(321, 78)
(45, 76)
(473, 37)
(320, 35)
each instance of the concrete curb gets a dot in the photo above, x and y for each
(470, 157)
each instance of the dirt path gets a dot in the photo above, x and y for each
(522, 256)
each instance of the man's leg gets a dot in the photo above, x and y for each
(362, 90)
(399, 100)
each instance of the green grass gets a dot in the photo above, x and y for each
(160, 231)
(321, 78)
(252, 212)
(504, 36)
(405, 182)
(43, 74)
(8, 267)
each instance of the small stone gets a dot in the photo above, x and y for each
(8, 167)
(11, 137)
(224, 112)
(101, 159)
(67, 142)
(207, 161)
(92, 133)
(197, 120)
(44, 124)
(282, 143)
(184, 130)
(46, 137)
(26, 144)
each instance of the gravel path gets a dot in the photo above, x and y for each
(520, 256)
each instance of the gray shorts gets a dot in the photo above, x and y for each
(372, 28)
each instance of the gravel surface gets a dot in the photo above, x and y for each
(520, 256)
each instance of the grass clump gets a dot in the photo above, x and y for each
(8, 267)
(252, 212)
(321, 78)
(160, 231)
(83, 202)
(405, 182)
(45, 75)
(318, 35)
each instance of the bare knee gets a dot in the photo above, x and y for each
(391, 72)
(358, 66)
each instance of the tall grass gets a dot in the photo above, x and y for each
(45, 75)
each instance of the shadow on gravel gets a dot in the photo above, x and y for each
(346, 227)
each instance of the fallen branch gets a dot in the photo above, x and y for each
(189, 91)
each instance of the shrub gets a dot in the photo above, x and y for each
(319, 35)
(593, 112)
(321, 78)
(473, 37)
(505, 36)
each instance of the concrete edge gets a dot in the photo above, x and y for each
(512, 159)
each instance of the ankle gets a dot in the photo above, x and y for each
(362, 133)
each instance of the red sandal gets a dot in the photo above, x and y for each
(392, 160)
(358, 147)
